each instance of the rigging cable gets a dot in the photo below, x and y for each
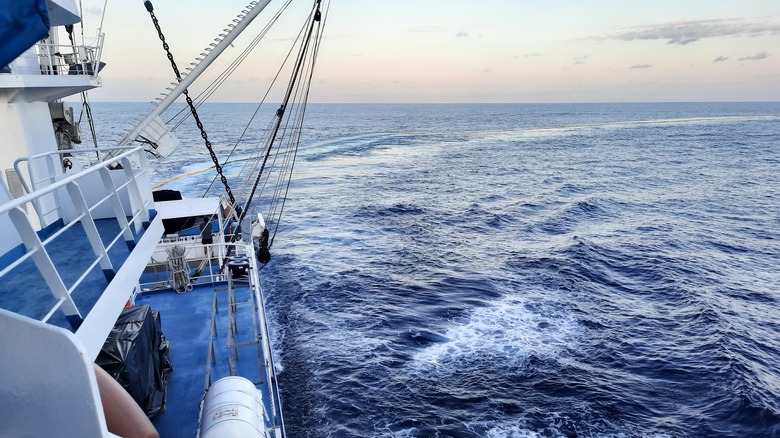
(263, 253)
(280, 112)
(225, 74)
(318, 40)
(257, 110)
(85, 107)
(222, 78)
(294, 112)
(269, 128)
(193, 110)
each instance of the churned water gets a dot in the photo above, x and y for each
(599, 270)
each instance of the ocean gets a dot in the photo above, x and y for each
(546, 270)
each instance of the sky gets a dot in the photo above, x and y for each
(456, 51)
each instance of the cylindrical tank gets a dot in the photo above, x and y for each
(232, 409)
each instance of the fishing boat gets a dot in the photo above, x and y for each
(127, 311)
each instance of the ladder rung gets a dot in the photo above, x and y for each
(243, 344)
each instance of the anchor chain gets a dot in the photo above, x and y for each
(193, 110)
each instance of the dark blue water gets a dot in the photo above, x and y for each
(599, 270)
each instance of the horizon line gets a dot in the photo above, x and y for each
(472, 103)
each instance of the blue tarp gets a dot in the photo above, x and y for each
(22, 24)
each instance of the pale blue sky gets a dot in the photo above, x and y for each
(485, 51)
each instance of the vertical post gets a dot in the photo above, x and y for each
(45, 265)
(136, 203)
(119, 212)
(91, 230)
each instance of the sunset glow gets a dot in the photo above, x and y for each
(489, 51)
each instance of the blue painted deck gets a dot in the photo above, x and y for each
(186, 320)
(24, 291)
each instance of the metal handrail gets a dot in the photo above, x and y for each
(18, 202)
(48, 155)
(61, 291)
(62, 59)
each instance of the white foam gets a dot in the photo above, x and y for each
(529, 133)
(510, 430)
(507, 430)
(601, 428)
(510, 329)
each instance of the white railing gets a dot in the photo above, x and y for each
(60, 59)
(53, 162)
(206, 258)
(45, 169)
(68, 189)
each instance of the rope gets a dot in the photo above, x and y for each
(90, 120)
(225, 74)
(179, 269)
(158, 185)
(270, 125)
(222, 77)
(290, 158)
(285, 129)
(193, 110)
(282, 108)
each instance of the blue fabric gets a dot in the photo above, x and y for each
(22, 24)
(194, 231)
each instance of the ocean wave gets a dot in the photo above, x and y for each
(504, 333)
(557, 271)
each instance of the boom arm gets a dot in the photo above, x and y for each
(150, 127)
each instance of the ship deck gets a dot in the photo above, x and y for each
(190, 321)
(187, 324)
(24, 290)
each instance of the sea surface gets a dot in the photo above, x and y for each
(548, 270)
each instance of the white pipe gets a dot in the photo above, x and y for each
(213, 54)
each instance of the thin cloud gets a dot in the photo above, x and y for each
(721, 59)
(686, 32)
(580, 59)
(462, 34)
(642, 66)
(528, 55)
(757, 56)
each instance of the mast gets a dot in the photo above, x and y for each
(152, 128)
